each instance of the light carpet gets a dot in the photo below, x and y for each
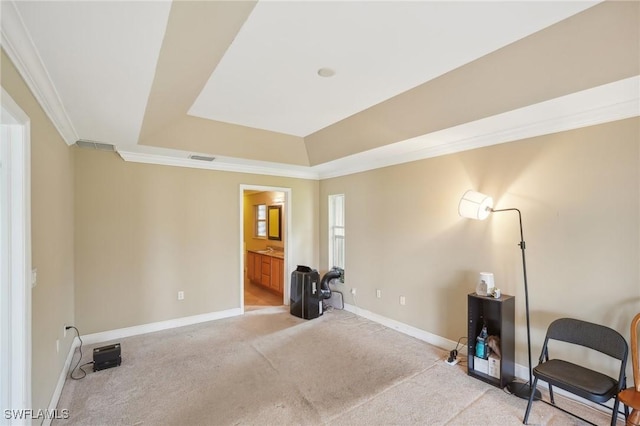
(268, 367)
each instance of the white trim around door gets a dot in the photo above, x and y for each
(15, 232)
(287, 237)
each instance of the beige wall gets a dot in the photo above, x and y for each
(144, 232)
(579, 196)
(52, 218)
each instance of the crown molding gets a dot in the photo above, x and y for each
(16, 41)
(602, 104)
(224, 164)
(385, 157)
(606, 103)
(609, 102)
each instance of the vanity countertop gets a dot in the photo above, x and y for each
(272, 253)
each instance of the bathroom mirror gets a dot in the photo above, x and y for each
(275, 223)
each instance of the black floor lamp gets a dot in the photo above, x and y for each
(475, 205)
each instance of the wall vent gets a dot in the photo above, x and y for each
(201, 157)
(82, 143)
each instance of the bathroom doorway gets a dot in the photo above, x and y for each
(264, 236)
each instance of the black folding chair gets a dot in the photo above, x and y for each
(576, 379)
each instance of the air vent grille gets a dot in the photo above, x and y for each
(95, 145)
(201, 158)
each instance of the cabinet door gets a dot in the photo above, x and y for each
(250, 265)
(281, 278)
(257, 268)
(265, 280)
(277, 274)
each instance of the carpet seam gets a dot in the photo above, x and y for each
(387, 389)
(291, 383)
(450, 420)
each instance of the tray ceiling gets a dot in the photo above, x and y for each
(240, 79)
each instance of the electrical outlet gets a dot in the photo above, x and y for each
(378, 293)
(403, 300)
(353, 291)
(181, 295)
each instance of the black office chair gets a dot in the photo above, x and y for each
(576, 379)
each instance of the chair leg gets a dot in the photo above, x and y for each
(614, 415)
(533, 392)
(553, 401)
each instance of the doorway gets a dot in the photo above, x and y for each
(265, 233)
(15, 257)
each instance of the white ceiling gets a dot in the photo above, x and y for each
(92, 64)
(268, 77)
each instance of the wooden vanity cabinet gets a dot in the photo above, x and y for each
(265, 270)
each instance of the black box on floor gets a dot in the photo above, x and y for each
(106, 357)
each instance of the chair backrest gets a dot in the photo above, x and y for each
(634, 351)
(594, 336)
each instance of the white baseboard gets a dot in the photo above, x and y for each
(127, 332)
(409, 330)
(61, 379)
(521, 371)
(158, 326)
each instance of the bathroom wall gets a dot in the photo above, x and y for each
(268, 198)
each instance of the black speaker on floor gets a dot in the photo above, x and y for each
(305, 299)
(106, 357)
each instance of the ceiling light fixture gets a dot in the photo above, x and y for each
(326, 72)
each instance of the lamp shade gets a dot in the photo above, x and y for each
(475, 205)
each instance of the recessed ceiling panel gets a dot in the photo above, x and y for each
(269, 77)
(102, 57)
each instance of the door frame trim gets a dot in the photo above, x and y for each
(20, 279)
(287, 237)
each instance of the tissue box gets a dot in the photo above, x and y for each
(494, 366)
(481, 365)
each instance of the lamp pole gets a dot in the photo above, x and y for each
(516, 388)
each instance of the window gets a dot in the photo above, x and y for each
(261, 221)
(336, 231)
